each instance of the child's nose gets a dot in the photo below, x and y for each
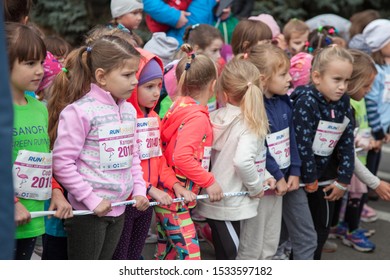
(40, 70)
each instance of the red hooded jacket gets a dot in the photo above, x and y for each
(156, 170)
(186, 132)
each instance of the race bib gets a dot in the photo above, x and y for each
(32, 173)
(116, 146)
(260, 164)
(148, 140)
(386, 90)
(206, 158)
(327, 136)
(279, 147)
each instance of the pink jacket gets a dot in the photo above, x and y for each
(76, 155)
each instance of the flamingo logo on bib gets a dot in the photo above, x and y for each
(32, 173)
(116, 146)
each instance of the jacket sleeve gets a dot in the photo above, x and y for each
(346, 151)
(273, 167)
(295, 168)
(364, 175)
(304, 121)
(244, 163)
(167, 177)
(73, 128)
(55, 185)
(372, 100)
(162, 12)
(187, 144)
(139, 185)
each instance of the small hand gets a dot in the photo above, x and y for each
(336, 193)
(141, 203)
(281, 187)
(22, 216)
(103, 208)
(183, 19)
(215, 192)
(160, 196)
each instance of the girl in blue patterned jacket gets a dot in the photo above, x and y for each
(324, 132)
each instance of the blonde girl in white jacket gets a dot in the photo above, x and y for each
(238, 156)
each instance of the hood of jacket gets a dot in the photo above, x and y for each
(145, 58)
(222, 121)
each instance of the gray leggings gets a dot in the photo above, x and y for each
(93, 238)
(298, 225)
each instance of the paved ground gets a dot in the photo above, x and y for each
(381, 239)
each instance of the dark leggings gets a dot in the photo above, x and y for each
(322, 213)
(24, 248)
(373, 160)
(223, 238)
(134, 234)
(353, 211)
(54, 248)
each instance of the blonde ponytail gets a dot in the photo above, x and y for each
(240, 80)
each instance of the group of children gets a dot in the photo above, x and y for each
(272, 117)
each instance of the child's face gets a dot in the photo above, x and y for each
(149, 93)
(213, 51)
(333, 82)
(359, 95)
(131, 20)
(120, 82)
(279, 82)
(26, 75)
(297, 42)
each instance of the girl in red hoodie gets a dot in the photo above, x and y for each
(187, 138)
(154, 166)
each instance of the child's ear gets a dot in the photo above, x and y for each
(25, 20)
(263, 80)
(225, 97)
(315, 76)
(213, 85)
(100, 76)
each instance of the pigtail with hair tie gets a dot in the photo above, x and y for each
(190, 57)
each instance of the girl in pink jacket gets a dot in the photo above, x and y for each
(94, 156)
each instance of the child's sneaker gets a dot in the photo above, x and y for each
(368, 214)
(338, 231)
(358, 241)
(152, 238)
(367, 232)
(329, 247)
(283, 256)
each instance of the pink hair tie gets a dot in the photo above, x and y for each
(245, 55)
